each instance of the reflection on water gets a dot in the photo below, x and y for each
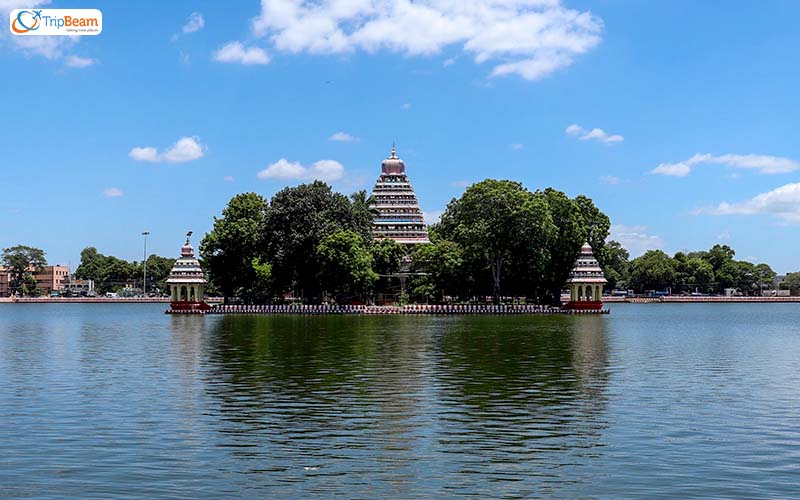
(403, 406)
(113, 401)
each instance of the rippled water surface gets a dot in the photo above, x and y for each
(653, 401)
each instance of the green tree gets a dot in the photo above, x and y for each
(345, 266)
(596, 224)
(719, 255)
(363, 213)
(22, 262)
(235, 240)
(699, 275)
(442, 264)
(298, 220)
(613, 258)
(262, 288)
(654, 270)
(563, 248)
(386, 256)
(158, 269)
(792, 283)
(766, 276)
(492, 220)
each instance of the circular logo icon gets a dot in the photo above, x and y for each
(25, 21)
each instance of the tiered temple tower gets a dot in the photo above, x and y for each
(398, 214)
(187, 282)
(586, 282)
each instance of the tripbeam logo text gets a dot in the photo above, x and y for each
(56, 22)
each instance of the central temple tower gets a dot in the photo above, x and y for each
(398, 214)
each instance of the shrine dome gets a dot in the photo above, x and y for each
(393, 164)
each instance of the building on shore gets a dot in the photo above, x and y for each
(398, 215)
(49, 279)
(585, 282)
(187, 282)
(79, 288)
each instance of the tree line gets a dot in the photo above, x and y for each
(112, 274)
(708, 272)
(497, 240)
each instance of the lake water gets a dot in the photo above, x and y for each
(652, 401)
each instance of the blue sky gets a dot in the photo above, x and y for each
(177, 106)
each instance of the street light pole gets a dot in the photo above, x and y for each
(144, 284)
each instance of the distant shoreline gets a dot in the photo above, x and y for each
(678, 299)
(674, 299)
(95, 300)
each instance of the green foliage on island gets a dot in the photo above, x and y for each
(22, 262)
(498, 239)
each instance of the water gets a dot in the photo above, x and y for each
(653, 401)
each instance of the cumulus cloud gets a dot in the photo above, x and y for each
(194, 23)
(782, 203)
(283, 169)
(74, 61)
(635, 239)
(343, 137)
(529, 38)
(236, 52)
(764, 164)
(185, 149)
(596, 134)
(112, 192)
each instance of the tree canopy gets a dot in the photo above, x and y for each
(21, 262)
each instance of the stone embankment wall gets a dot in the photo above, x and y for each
(502, 309)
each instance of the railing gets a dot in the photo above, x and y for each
(459, 309)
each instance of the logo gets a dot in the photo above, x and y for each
(72, 22)
(26, 21)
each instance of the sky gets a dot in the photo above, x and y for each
(678, 118)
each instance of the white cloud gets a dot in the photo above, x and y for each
(228, 178)
(672, 169)
(194, 23)
(782, 203)
(724, 236)
(529, 38)
(323, 170)
(635, 239)
(343, 137)
(112, 192)
(596, 134)
(461, 183)
(235, 52)
(432, 217)
(611, 180)
(764, 164)
(148, 154)
(517, 146)
(185, 149)
(449, 62)
(407, 105)
(79, 62)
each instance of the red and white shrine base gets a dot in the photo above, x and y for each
(583, 305)
(185, 305)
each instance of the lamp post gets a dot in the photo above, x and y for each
(144, 283)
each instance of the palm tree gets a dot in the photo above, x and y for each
(364, 212)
